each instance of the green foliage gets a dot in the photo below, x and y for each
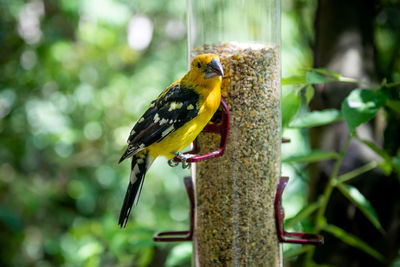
(316, 118)
(353, 241)
(303, 214)
(293, 80)
(316, 76)
(389, 163)
(361, 106)
(180, 255)
(290, 106)
(312, 156)
(355, 196)
(67, 103)
(394, 105)
(313, 77)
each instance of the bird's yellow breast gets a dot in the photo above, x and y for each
(185, 135)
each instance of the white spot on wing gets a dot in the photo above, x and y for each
(172, 106)
(175, 105)
(133, 177)
(190, 107)
(136, 169)
(138, 193)
(163, 121)
(141, 120)
(156, 118)
(167, 131)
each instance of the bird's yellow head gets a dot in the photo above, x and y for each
(205, 70)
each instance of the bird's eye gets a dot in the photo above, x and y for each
(198, 65)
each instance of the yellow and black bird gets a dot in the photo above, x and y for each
(172, 122)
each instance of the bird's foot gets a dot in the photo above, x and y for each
(173, 163)
(183, 157)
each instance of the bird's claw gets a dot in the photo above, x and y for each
(183, 159)
(185, 164)
(172, 163)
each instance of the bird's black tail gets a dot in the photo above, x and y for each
(140, 164)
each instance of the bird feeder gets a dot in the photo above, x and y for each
(236, 216)
(235, 193)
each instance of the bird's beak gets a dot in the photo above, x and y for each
(214, 68)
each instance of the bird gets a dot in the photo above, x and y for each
(172, 122)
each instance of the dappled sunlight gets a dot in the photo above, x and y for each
(140, 32)
(84, 72)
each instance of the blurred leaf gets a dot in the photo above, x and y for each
(376, 149)
(90, 249)
(303, 213)
(290, 106)
(294, 252)
(396, 261)
(393, 105)
(361, 106)
(316, 78)
(309, 94)
(355, 196)
(327, 72)
(389, 164)
(390, 85)
(386, 167)
(312, 156)
(332, 76)
(357, 172)
(146, 257)
(180, 255)
(353, 241)
(293, 80)
(316, 118)
(9, 218)
(396, 164)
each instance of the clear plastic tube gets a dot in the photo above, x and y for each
(234, 224)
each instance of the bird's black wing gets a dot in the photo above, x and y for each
(171, 110)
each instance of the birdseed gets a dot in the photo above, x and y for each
(235, 222)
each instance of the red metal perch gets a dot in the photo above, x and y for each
(176, 236)
(287, 237)
(223, 129)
